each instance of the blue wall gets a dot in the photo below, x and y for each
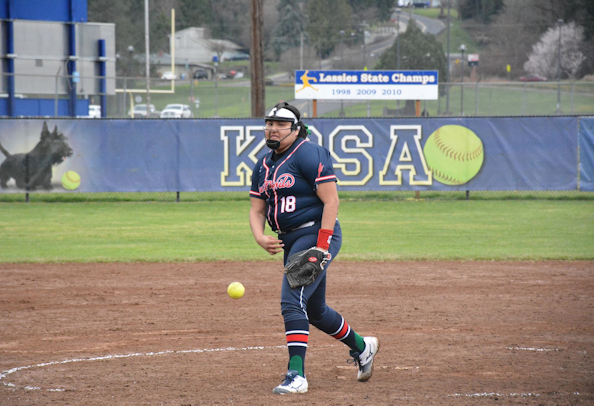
(45, 10)
(40, 10)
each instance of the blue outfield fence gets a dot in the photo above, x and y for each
(370, 154)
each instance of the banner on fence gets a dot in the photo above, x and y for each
(366, 85)
(530, 153)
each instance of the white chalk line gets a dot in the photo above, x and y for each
(4, 374)
(541, 349)
(534, 349)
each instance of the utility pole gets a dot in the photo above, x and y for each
(257, 60)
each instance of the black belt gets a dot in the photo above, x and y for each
(304, 225)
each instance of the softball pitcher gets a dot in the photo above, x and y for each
(294, 190)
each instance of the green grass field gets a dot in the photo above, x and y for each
(373, 230)
(493, 99)
(488, 100)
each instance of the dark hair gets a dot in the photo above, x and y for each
(303, 130)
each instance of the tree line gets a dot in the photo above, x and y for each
(508, 31)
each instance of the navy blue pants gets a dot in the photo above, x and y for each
(309, 302)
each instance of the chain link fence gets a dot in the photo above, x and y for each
(229, 94)
(229, 97)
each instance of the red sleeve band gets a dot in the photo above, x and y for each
(324, 237)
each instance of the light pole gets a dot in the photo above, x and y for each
(130, 52)
(364, 26)
(558, 111)
(398, 11)
(342, 49)
(447, 112)
(462, 49)
(216, 65)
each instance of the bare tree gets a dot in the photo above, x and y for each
(218, 47)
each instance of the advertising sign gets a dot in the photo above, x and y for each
(366, 85)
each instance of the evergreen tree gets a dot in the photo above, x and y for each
(194, 13)
(384, 9)
(418, 51)
(482, 10)
(326, 19)
(287, 32)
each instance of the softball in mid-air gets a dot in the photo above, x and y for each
(71, 180)
(454, 154)
(235, 290)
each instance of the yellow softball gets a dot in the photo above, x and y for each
(71, 180)
(454, 154)
(235, 290)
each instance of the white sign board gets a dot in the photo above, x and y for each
(366, 85)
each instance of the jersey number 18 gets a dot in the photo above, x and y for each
(288, 204)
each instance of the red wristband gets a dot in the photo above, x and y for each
(324, 237)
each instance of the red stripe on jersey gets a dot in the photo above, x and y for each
(266, 190)
(325, 178)
(343, 332)
(301, 338)
(255, 193)
(274, 180)
(266, 176)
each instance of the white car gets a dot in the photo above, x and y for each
(183, 110)
(168, 75)
(170, 113)
(94, 111)
(140, 111)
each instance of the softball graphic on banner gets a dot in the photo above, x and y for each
(454, 154)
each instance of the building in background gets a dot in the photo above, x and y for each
(54, 62)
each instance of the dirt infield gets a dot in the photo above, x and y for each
(450, 333)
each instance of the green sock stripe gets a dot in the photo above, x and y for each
(360, 342)
(296, 363)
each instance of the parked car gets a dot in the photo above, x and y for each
(421, 4)
(181, 110)
(200, 74)
(532, 78)
(139, 111)
(94, 111)
(168, 75)
(171, 113)
(236, 56)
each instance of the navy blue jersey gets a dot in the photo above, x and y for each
(289, 184)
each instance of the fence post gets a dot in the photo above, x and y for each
(572, 96)
(476, 99)
(524, 98)
(56, 93)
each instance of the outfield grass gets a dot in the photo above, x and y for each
(223, 100)
(373, 230)
(493, 100)
(489, 100)
(434, 12)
